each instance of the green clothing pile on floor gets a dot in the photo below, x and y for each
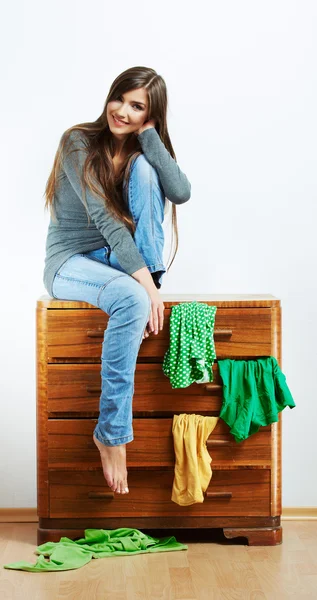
(97, 543)
(191, 352)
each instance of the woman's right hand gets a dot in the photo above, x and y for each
(156, 320)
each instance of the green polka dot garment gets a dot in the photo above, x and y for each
(191, 352)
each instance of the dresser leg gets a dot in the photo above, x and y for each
(256, 536)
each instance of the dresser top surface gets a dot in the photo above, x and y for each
(221, 300)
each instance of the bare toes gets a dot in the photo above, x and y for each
(108, 480)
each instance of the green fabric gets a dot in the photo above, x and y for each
(191, 352)
(97, 543)
(254, 392)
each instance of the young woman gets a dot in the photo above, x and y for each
(108, 193)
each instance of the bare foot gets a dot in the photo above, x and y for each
(113, 460)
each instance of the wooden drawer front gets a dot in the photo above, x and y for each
(86, 494)
(70, 446)
(74, 333)
(74, 390)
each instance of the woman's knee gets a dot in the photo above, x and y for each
(125, 293)
(140, 299)
(144, 170)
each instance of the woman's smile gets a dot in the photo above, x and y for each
(120, 123)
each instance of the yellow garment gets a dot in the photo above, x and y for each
(192, 472)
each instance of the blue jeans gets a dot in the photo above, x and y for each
(97, 277)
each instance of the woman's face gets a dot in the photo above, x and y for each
(131, 108)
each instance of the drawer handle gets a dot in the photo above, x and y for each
(218, 494)
(215, 442)
(213, 387)
(101, 495)
(95, 333)
(217, 333)
(93, 389)
(222, 332)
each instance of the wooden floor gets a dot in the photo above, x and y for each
(206, 571)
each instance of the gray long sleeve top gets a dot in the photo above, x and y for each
(71, 234)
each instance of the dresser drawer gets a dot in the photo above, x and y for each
(78, 333)
(70, 446)
(85, 494)
(74, 390)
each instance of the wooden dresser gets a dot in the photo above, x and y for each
(244, 494)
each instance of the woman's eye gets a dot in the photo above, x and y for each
(139, 107)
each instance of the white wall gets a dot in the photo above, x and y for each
(241, 79)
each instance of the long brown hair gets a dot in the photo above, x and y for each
(98, 173)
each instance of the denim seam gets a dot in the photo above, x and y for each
(65, 261)
(152, 205)
(97, 259)
(73, 279)
(131, 203)
(127, 437)
(123, 437)
(145, 324)
(130, 192)
(124, 440)
(88, 283)
(157, 265)
(105, 285)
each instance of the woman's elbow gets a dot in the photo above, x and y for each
(180, 197)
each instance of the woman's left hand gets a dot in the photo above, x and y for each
(147, 125)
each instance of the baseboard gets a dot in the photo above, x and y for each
(18, 515)
(29, 515)
(299, 513)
